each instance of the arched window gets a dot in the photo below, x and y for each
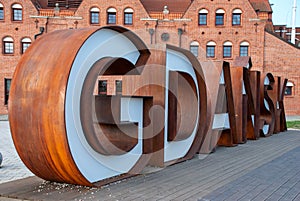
(220, 17)
(8, 45)
(227, 49)
(1, 11)
(95, 15)
(111, 16)
(236, 17)
(17, 12)
(289, 88)
(202, 19)
(194, 46)
(25, 43)
(211, 49)
(128, 16)
(244, 48)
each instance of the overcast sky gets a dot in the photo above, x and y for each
(282, 12)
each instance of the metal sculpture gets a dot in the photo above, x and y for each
(168, 106)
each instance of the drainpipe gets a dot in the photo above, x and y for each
(42, 29)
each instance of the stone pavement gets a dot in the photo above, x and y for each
(276, 180)
(12, 167)
(266, 169)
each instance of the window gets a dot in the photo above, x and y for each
(102, 87)
(6, 90)
(236, 17)
(17, 13)
(289, 89)
(194, 46)
(25, 43)
(220, 17)
(8, 45)
(128, 16)
(227, 50)
(1, 12)
(111, 16)
(94, 15)
(210, 49)
(203, 17)
(118, 86)
(244, 48)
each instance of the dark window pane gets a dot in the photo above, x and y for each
(210, 51)
(8, 47)
(25, 46)
(102, 87)
(194, 50)
(94, 17)
(236, 19)
(128, 18)
(1, 14)
(219, 19)
(202, 19)
(6, 90)
(17, 14)
(111, 18)
(118, 86)
(243, 50)
(288, 91)
(227, 51)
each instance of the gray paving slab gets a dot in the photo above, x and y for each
(268, 168)
(274, 180)
(12, 167)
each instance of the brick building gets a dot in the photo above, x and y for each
(211, 29)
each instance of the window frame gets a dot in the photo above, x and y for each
(102, 92)
(8, 44)
(211, 44)
(236, 12)
(244, 44)
(202, 13)
(242, 51)
(111, 12)
(25, 41)
(288, 91)
(6, 90)
(289, 85)
(220, 13)
(194, 48)
(15, 8)
(2, 11)
(118, 86)
(227, 46)
(128, 12)
(94, 10)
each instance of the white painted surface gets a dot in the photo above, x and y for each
(91, 164)
(176, 61)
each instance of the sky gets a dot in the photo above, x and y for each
(282, 12)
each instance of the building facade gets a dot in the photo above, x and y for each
(210, 29)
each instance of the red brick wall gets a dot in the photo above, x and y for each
(283, 59)
(16, 30)
(251, 30)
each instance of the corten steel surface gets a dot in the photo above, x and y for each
(255, 109)
(249, 107)
(37, 103)
(202, 127)
(267, 108)
(227, 137)
(237, 85)
(216, 103)
(42, 103)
